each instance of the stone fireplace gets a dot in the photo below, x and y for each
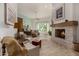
(65, 33)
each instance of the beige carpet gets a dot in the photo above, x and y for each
(50, 48)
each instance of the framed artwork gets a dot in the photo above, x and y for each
(60, 11)
(10, 14)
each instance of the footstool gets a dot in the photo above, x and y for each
(32, 50)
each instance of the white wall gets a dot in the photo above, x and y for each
(5, 30)
(68, 12)
(76, 17)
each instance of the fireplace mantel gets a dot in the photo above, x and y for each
(65, 24)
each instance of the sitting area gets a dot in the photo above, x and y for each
(11, 47)
(20, 44)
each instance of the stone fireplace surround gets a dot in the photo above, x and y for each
(70, 33)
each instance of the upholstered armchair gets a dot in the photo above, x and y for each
(12, 47)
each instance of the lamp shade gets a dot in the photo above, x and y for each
(19, 24)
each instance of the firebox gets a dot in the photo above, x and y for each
(60, 33)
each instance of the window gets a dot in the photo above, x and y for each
(43, 27)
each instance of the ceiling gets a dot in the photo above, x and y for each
(35, 10)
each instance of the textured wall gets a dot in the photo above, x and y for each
(4, 30)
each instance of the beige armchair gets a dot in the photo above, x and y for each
(12, 46)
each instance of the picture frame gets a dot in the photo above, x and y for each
(60, 12)
(10, 14)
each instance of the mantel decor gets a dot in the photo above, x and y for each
(10, 14)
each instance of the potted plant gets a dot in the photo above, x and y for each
(50, 32)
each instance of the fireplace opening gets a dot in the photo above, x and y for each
(60, 33)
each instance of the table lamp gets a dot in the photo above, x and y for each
(19, 25)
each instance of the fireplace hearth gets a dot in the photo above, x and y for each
(60, 33)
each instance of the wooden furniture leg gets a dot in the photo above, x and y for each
(3, 49)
